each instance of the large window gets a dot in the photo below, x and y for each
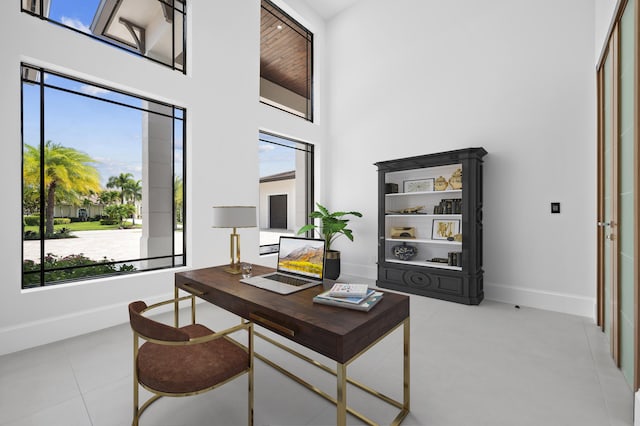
(103, 180)
(154, 29)
(286, 62)
(286, 188)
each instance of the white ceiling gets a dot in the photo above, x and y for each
(327, 9)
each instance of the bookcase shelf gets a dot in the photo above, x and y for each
(437, 193)
(423, 241)
(427, 217)
(425, 263)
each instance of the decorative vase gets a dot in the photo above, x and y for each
(456, 179)
(404, 251)
(441, 183)
(332, 264)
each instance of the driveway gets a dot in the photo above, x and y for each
(117, 244)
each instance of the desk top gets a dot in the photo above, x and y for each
(334, 332)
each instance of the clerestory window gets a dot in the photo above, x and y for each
(154, 29)
(103, 180)
(286, 62)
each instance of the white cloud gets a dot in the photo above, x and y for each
(93, 90)
(75, 23)
(263, 147)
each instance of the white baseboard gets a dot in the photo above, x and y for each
(547, 300)
(36, 333)
(550, 301)
(636, 409)
(359, 270)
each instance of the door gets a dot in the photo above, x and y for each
(278, 211)
(608, 201)
(618, 204)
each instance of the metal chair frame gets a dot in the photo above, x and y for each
(244, 325)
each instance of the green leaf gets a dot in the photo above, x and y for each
(323, 209)
(306, 228)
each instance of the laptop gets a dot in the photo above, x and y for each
(300, 266)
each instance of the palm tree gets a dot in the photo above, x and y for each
(108, 197)
(121, 182)
(178, 197)
(67, 172)
(133, 191)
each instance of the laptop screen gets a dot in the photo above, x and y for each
(301, 256)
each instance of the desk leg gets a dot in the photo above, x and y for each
(341, 403)
(175, 307)
(406, 388)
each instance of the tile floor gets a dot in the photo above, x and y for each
(489, 365)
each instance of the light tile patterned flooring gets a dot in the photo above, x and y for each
(488, 365)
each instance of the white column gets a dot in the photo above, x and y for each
(157, 183)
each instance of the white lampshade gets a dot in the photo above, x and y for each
(234, 217)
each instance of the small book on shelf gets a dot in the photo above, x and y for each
(349, 290)
(364, 305)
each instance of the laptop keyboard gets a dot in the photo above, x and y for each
(287, 280)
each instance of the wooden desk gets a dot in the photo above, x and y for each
(337, 333)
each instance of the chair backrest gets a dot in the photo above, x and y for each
(153, 329)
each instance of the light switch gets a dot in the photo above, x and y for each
(555, 207)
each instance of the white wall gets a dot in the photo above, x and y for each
(516, 77)
(220, 93)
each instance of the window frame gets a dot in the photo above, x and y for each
(178, 113)
(124, 46)
(309, 149)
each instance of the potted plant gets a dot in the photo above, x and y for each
(332, 226)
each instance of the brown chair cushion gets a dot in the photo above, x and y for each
(150, 328)
(183, 369)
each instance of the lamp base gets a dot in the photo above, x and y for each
(233, 268)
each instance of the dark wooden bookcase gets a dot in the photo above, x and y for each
(418, 212)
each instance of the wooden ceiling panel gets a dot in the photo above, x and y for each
(285, 51)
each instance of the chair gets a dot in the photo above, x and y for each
(187, 360)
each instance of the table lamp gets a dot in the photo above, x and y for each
(234, 217)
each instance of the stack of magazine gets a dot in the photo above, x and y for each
(351, 296)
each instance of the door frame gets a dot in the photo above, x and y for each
(636, 185)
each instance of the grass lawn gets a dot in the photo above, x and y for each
(80, 226)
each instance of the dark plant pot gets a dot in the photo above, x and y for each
(332, 265)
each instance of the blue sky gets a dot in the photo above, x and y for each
(274, 158)
(110, 134)
(74, 13)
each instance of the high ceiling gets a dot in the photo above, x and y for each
(327, 9)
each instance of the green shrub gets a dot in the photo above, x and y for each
(31, 235)
(58, 234)
(32, 220)
(79, 267)
(109, 221)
